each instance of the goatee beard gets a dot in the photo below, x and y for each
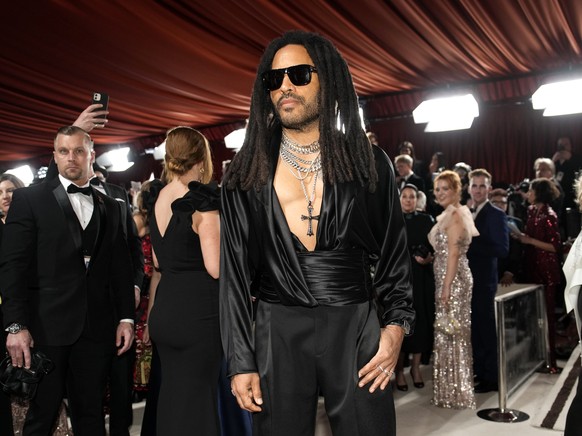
(300, 123)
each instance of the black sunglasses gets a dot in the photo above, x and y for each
(299, 75)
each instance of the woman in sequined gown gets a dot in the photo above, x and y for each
(542, 245)
(450, 237)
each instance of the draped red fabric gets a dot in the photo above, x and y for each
(184, 62)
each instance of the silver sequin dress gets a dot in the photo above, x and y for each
(453, 361)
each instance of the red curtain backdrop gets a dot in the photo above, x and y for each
(504, 139)
(175, 62)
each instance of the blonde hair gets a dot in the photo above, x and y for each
(547, 161)
(406, 158)
(578, 190)
(185, 147)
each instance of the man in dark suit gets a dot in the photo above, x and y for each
(65, 274)
(509, 268)
(403, 164)
(491, 244)
(121, 375)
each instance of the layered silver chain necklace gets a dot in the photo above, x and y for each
(304, 167)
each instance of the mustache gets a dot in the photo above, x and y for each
(290, 95)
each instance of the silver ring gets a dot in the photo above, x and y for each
(381, 369)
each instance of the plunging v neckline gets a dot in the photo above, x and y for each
(286, 224)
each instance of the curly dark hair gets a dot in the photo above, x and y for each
(346, 154)
(545, 190)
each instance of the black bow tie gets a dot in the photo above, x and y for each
(74, 189)
(95, 181)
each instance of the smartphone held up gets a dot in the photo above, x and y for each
(103, 99)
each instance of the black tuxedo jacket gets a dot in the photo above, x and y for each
(130, 230)
(43, 279)
(491, 244)
(415, 180)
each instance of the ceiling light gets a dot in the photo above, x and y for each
(447, 113)
(559, 98)
(160, 151)
(234, 140)
(115, 160)
(24, 173)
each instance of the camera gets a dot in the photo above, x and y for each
(420, 250)
(522, 187)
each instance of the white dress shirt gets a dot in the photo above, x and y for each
(478, 209)
(82, 204)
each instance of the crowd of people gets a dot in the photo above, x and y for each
(514, 234)
(318, 269)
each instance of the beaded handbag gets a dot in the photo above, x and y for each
(447, 324)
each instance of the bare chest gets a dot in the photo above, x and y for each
(300, 201)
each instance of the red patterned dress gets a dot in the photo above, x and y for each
(543, 266)
(143, 357)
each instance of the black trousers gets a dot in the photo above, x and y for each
(121, 393)
(306, 352)
(484, 332)
(82, 370)
(5, 407)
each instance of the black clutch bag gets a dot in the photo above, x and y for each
(23, 382)
(420, 250)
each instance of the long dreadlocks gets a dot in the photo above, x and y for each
(346, 154)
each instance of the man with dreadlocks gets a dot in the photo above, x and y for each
(311, 219)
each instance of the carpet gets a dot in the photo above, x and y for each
(553, 411)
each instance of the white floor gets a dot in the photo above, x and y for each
(416, 417)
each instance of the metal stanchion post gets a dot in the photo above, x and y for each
(502, 414)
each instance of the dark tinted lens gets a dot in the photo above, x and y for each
(299, 75)
(273, 79)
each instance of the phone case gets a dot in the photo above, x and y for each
(101, 98)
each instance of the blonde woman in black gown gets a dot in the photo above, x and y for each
(183, 321)
(450, 237)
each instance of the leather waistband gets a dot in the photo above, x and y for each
(334, 278)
